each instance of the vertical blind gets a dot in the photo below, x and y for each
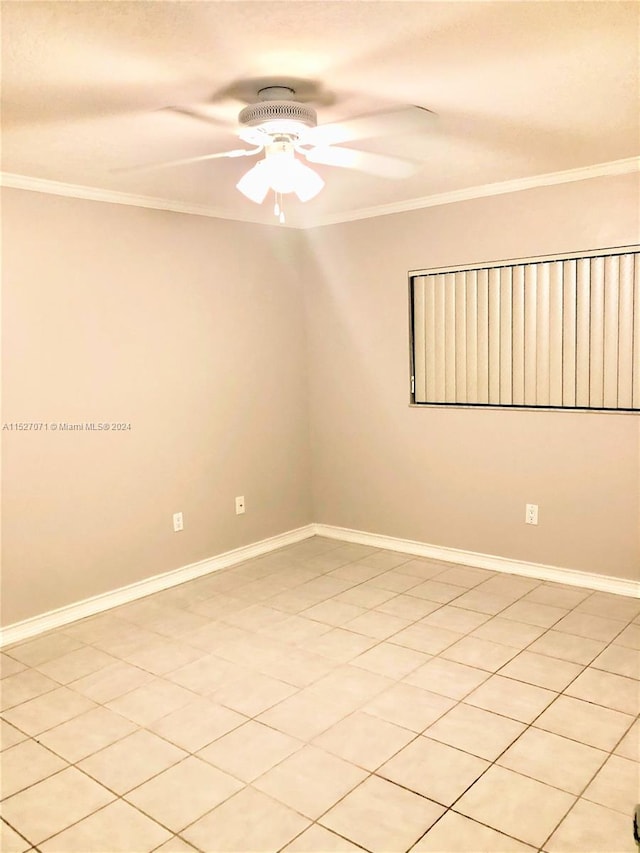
(551, 333)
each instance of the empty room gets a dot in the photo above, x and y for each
(320, 427)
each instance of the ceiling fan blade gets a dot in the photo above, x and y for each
(363, 161)
(239, 152)
(200, 115)
(394, 121)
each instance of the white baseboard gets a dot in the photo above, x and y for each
(20, 631)
(571, 577)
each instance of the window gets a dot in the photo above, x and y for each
(559, 332)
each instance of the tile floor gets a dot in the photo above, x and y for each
(329, 697)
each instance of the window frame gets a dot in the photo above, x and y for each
(564, 256)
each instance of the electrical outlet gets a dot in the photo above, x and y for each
(531, 514)
(178, 523)
(240, 505)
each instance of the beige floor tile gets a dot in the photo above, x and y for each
(464, 576)
(151, 701)
(175, 845)
(554, 760)
(513, 804)
(76, 664)
(377, 625)
(112, 681)
(365, 596)
(317, 838)
(619, 660)
(46, 647)
(54, 804)
(210, 638)
(203, 676)
(508, 632)
(455, 833)
(164, 656)
(623, 607)
(589, 625)
(410, 707)
(533, 613)
(455, 619)
(434, 770)
(543, 671)
(480, 601)
(381, 816)
(9, 666)
(305, 715)
(474, 730)
(296, 630)
(297, 667)
(364, 740)
(408, 607)
(310, 781)
(395, 581)
(86, 734)
(10, 735)
(272, 825)
(424, 568)
(385, 560)
(390, 660)
(436, 591)
(567, 647)
(426, 638)
(511, 698)
(584, 722)
(335, 613)
(557, 595)
(197, 724)
(509, 586)
(24, 765)
(356, 572)
(594, 828)
(251, 693)
(447, 678)
(340, 645)
(629, 638)
(48, 710)
(350, 683)
(118, 828)
(249, 751)
(11, 842)
(617, 785)
(183, 793)
(131, 761)
(483, 654)
(24, 686)
(605, 688)
(629, 746)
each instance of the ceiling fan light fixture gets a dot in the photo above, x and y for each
(308, 183)
(255, 183)
(282, 172)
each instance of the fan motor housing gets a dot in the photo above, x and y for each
(257, 115)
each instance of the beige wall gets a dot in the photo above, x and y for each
(193, 330)
(459, 477)
(188, 328)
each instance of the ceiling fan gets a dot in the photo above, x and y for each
(281, 123)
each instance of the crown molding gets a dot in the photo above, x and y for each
(598, 170)
(44, 185)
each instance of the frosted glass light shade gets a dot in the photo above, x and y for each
(283, 173)
(255, 183)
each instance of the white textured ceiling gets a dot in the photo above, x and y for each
(518, 89)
